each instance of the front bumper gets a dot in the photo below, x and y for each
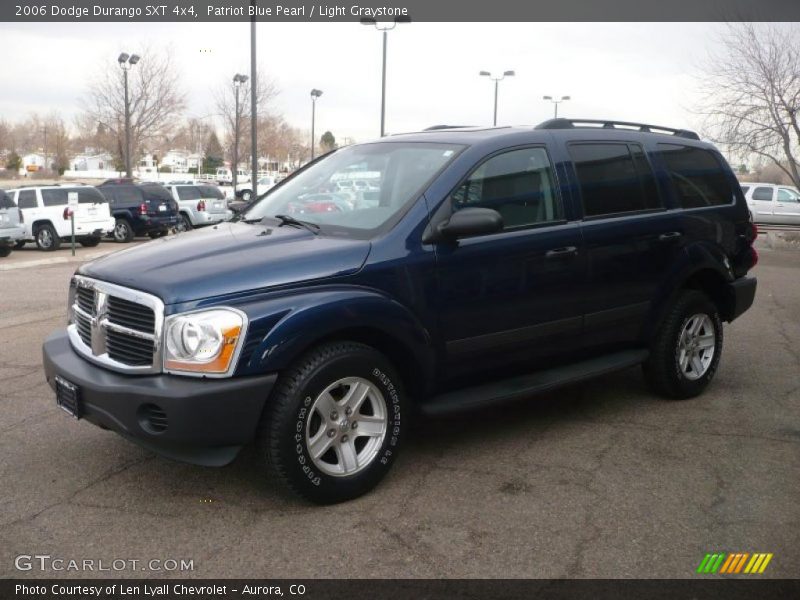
(207, 420)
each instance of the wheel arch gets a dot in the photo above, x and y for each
(284, 329)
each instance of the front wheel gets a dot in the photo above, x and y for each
(687, 348)
(246, 195)
(184, 224)
(335, 422)
(123, 232)
(5, 251)
(90, 242)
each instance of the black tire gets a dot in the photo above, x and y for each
(185, 224)
(290, 415)
(19, 244)
(46, 238)
(90, 242)
(5, 251)
(123, 231)
(663, 370)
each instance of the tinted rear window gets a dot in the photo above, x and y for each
(26, 199)
(188, 192)
(210, 191)
(90, 195)
(614, 178)
(155, 192)
(697, 176)
(763, 193)
(5, 201)
(54, 197)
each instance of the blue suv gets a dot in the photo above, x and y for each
(475, 266)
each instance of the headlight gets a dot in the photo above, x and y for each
(204, 342)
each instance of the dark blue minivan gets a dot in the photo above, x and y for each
(468, 267)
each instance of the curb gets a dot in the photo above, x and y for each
(56, 260)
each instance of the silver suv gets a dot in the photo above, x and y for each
(11, 231)
(773, 204)
(199, 204)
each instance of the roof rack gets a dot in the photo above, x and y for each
(438, 127)
(611, 124)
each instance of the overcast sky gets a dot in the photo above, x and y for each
(633, 71)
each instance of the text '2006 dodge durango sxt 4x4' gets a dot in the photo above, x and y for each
(482, 265)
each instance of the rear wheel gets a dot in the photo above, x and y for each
(333, 426)
(123, 232)
(47, 239)
(686, 351)
(90, 242)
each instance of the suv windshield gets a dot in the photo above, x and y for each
(398, 170)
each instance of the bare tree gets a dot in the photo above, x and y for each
(225, 100)
(156, 101)
(752, 94)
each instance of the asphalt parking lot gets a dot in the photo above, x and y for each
(597, 480)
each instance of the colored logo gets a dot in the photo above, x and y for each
(735, 562)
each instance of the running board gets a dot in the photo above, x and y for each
(527, 385)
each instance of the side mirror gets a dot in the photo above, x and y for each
(470, 222)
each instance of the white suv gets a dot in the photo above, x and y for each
(46, 214)
(770, 203)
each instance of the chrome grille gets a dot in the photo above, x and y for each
(84, 325)
(85, 299)
(129, 349)
(130, 314)
(117, 327)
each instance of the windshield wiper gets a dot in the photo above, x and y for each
(289, 220)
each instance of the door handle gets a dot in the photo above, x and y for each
(669, 236)
(561, 252)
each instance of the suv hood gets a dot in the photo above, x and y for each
(228, 258)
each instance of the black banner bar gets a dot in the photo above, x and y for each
(194, 11)
(390, 589)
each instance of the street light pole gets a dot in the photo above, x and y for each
(385, 29)
(556, 103)
(315, 93)
(238, 80)
(253, 106)
(126, 62)
(497, 81)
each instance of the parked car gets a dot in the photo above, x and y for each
(140, 209)
(199, 205)
(497, 263)
(11, 232)
(45, 213)
(244, 190)
(773, 204)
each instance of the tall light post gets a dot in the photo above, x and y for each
(556, 102)
(496, 80)
(238, 81)
(126, 61)
(385, 28)
(315, 93)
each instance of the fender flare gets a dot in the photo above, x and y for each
(698, 257)
(282, 328)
